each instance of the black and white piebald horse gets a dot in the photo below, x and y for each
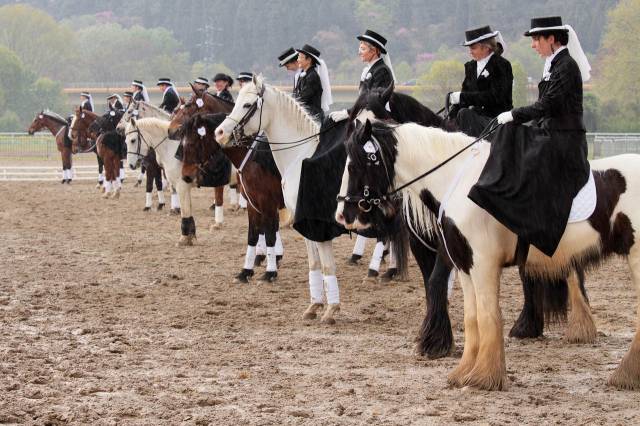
(478, 244)
(540, 301)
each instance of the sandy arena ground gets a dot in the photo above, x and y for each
(104, 321)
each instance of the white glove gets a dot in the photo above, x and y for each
(505, 117)
(454, 98)
(339, 115)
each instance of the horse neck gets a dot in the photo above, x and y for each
(422, 148)
(219, 105)
(235, 154)
(156, 136)
(416, 113)
(288, 123)
(53, 126)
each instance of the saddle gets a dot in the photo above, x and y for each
(584, 203)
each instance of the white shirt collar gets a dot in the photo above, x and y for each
(481, 64)
(547, 62)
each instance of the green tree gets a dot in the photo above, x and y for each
(519, 84)
(442, 78)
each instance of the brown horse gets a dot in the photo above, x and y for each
(81, 131)
(58, 127)
(202, 102)
(259, 179)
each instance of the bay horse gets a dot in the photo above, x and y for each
(293, 136)
(477, 243)
(153, 171)
(260, 181)
(142, 135)
(109, 144)
(540, 301)
(202, 101)
(58, 127)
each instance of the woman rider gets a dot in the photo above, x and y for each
(488, 82)
(222, 83)
(313, 89)
(533, 172)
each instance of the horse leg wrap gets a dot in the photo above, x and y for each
(242, 202)
(316, 287)
(250, 257)
(160, 197)
(100, 177)
(261, 248)
(233, 196)
(147, 200)
(358, 247)
(121, 175)
(333, 291)
(271, 259)
(219, 214)
(107, 186)
(188, 226)
(175, 201)
(376, 257)
(279, 246)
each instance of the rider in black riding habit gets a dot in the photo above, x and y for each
(488, 81)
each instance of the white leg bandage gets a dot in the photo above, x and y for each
(147, 201)
(118, 184)
(262, 245)
(279, 246)
(392, 257)
(175, 201)
(242, 202)
(107, 186)
(64, 174)
(451, 281)
(233, 196)
(100, 177)
(160, 197)
(376, 257)
(358, 247)
(121, 176)
(333, 292)
(140, 176)
(219, 214)
(316, 287)
(271, 259)
(250, 257)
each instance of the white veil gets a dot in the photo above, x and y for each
(323, 73)
(576, 52)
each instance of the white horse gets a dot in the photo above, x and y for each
(481, 246)
(152, 132)
(283, 119)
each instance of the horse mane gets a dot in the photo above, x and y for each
(55, 116)
(305, 121)
(405, 108)
(150, 123)
(224, 101)
(154, 108)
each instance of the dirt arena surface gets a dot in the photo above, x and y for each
(104, 321)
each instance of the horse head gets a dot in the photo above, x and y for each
(366, 199)
(371, 105)
(247, 117)
(201, 102)
(198, 143)
(135, 147)
(37, 124)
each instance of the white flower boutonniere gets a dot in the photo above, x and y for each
(546, 76)
(485, 73)
(368, 76)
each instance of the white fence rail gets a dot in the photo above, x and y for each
(45, 173)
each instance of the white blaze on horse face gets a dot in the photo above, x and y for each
(246, 97)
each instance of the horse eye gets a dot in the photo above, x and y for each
(247, 105)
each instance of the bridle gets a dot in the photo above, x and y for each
(141, 139)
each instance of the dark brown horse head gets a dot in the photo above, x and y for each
(38, 123)
(201, 102)
(198, 143)
(80, 128)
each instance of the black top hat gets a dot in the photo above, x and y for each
(137, 83)
(166, 81)
(202, 80)
(85, 94)
(287, 56)
(478, 34)
(222, 76)
(245, 76)
(111, 96)
(310, 51)
(545, 25)
(128, 93)
(375, 39)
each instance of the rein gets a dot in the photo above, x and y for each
(143, 139)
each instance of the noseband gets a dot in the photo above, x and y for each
(238, 131)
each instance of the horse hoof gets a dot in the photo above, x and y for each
(372, 277)
(99, 185)
(243, 277)
(389, 275)
(354, 259)
(69, 181)
(174, 212)
(160, 206)
(63, 181)
(268, 277)
(384, 256)
(214, 226)
(146, 209)
(137, 184)
(259, 259)
(116, 195)
(185, 240)
(328, 316)
(312, 311)
(212, 206)
(106, 195)
(234, 207)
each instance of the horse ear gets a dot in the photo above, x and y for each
(192, 88)
(366, 135)
(133, 121)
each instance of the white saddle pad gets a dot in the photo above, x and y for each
(585, 202)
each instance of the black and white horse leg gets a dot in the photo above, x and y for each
(392, 270)
(149, 192)
(436, 338)
(374, 264)
(100, 171)
(261, 249)
(279, 246)
(270, 227)
(530, 323)
(156, 176)
(252, 240)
